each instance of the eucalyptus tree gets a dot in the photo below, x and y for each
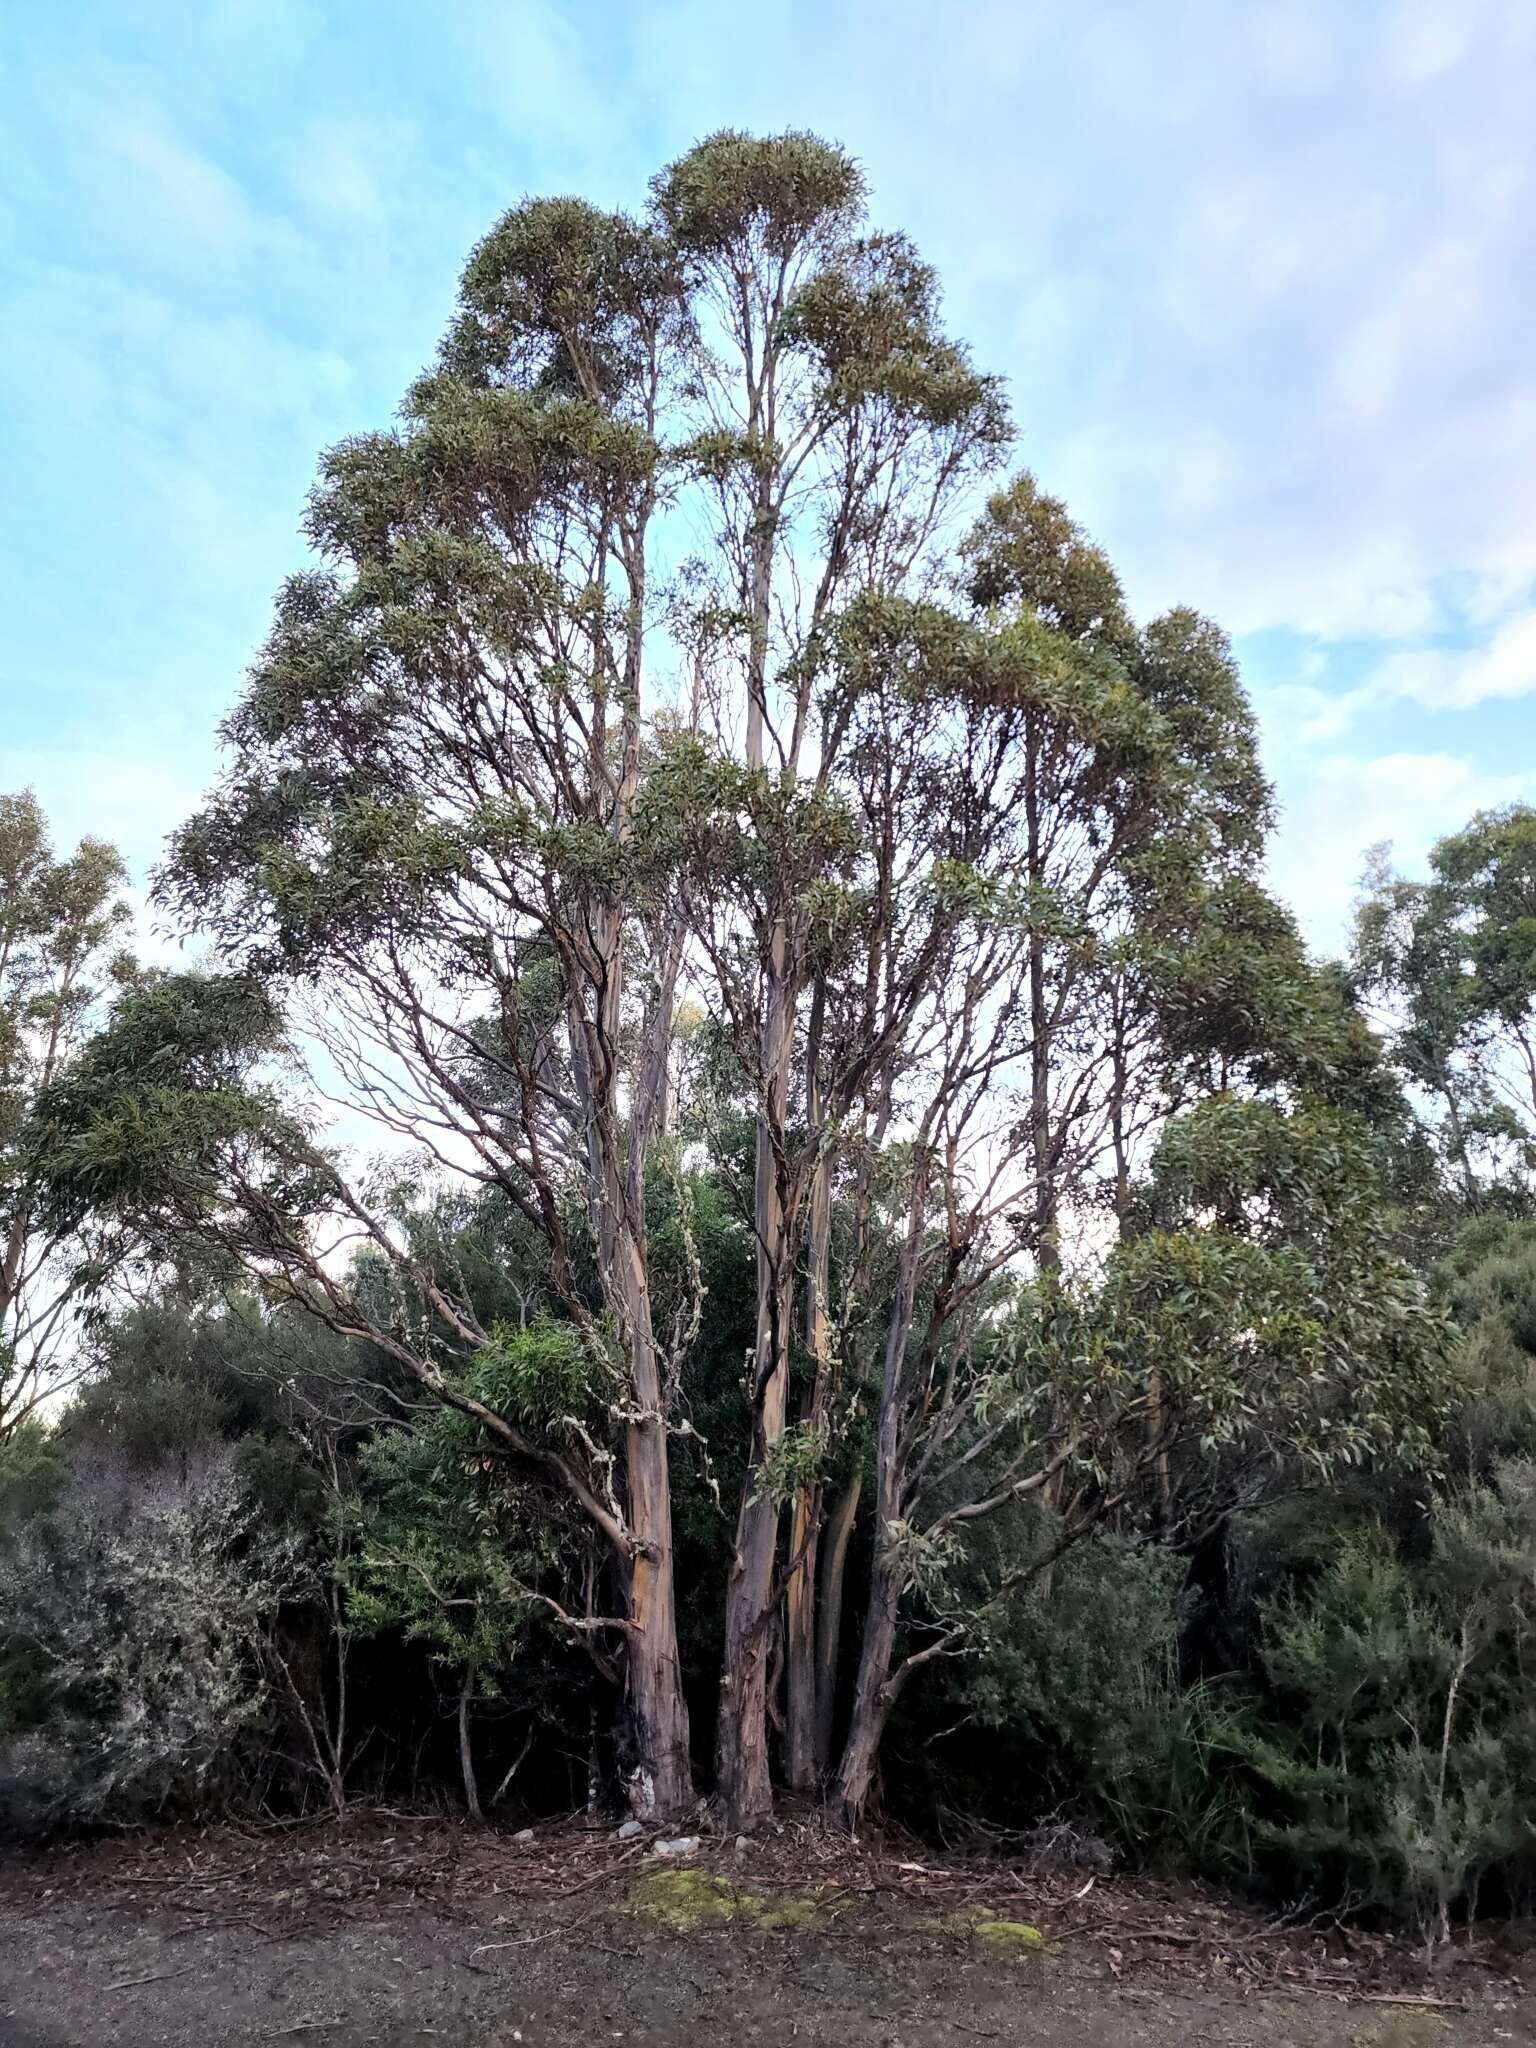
(426, 840)
(642, 668)
(60, 923)
(1451, 964)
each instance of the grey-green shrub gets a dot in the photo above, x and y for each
(139, 1603)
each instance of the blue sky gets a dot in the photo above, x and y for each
(1261, 277)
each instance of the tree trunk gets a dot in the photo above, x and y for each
(659, 1780)
(829, 1618)
(800, 1641)
(745, 1788)
(874, 1690)
(872, 1699)
(466, 1753)
(1047, 1248)
(801, 1765)
(659, 1774)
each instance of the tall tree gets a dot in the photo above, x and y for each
(59, 923)
(642, 669)
(836, 425)
(427, 832)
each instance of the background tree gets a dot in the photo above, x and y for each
(1450, 964)
(59, 923)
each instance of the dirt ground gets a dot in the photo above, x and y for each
(388, 1932)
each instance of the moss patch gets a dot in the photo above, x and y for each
(684, 1901)
(789, 1915)
(1408, 2030)
(1009, 1937)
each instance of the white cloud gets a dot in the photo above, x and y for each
(1262, 278)
(1445, 681)
(1423, 39)
(1294, 45)
(86, 792)
(1266, 311)
(1502, 667)
(165, 201)
(1340, 806)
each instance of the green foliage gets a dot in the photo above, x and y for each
(61, 966)
(31, 1474)
(1077, 1679)
(144, 1122)
(1397, 1743)
(732, 189)
(1487, 1281)
(440, 1554)
(1266, 1283)
(1452, 963)
(133, 1617)
(541, 1373)
(906, 937)
(797, 1459)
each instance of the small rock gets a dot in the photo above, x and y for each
(629, 1830)
(678, 1845)
(523, 1835)
(742, 1845)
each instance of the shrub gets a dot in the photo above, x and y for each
(1077, 1687)
(1395, 1749)
(138, 1602)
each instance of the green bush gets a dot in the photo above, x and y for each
(1077, 1689)
(1391, 1750)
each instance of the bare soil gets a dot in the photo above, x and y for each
(388, 1931)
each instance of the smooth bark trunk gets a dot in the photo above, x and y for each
(872, 1699)
(802, 1766)
(800, 1769)
(829, 1618)
(745, 1787)
(659, 1774)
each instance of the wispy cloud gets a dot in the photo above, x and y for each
(1262, 278)
(1347, 805)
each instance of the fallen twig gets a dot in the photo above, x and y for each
(1345, 1996)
